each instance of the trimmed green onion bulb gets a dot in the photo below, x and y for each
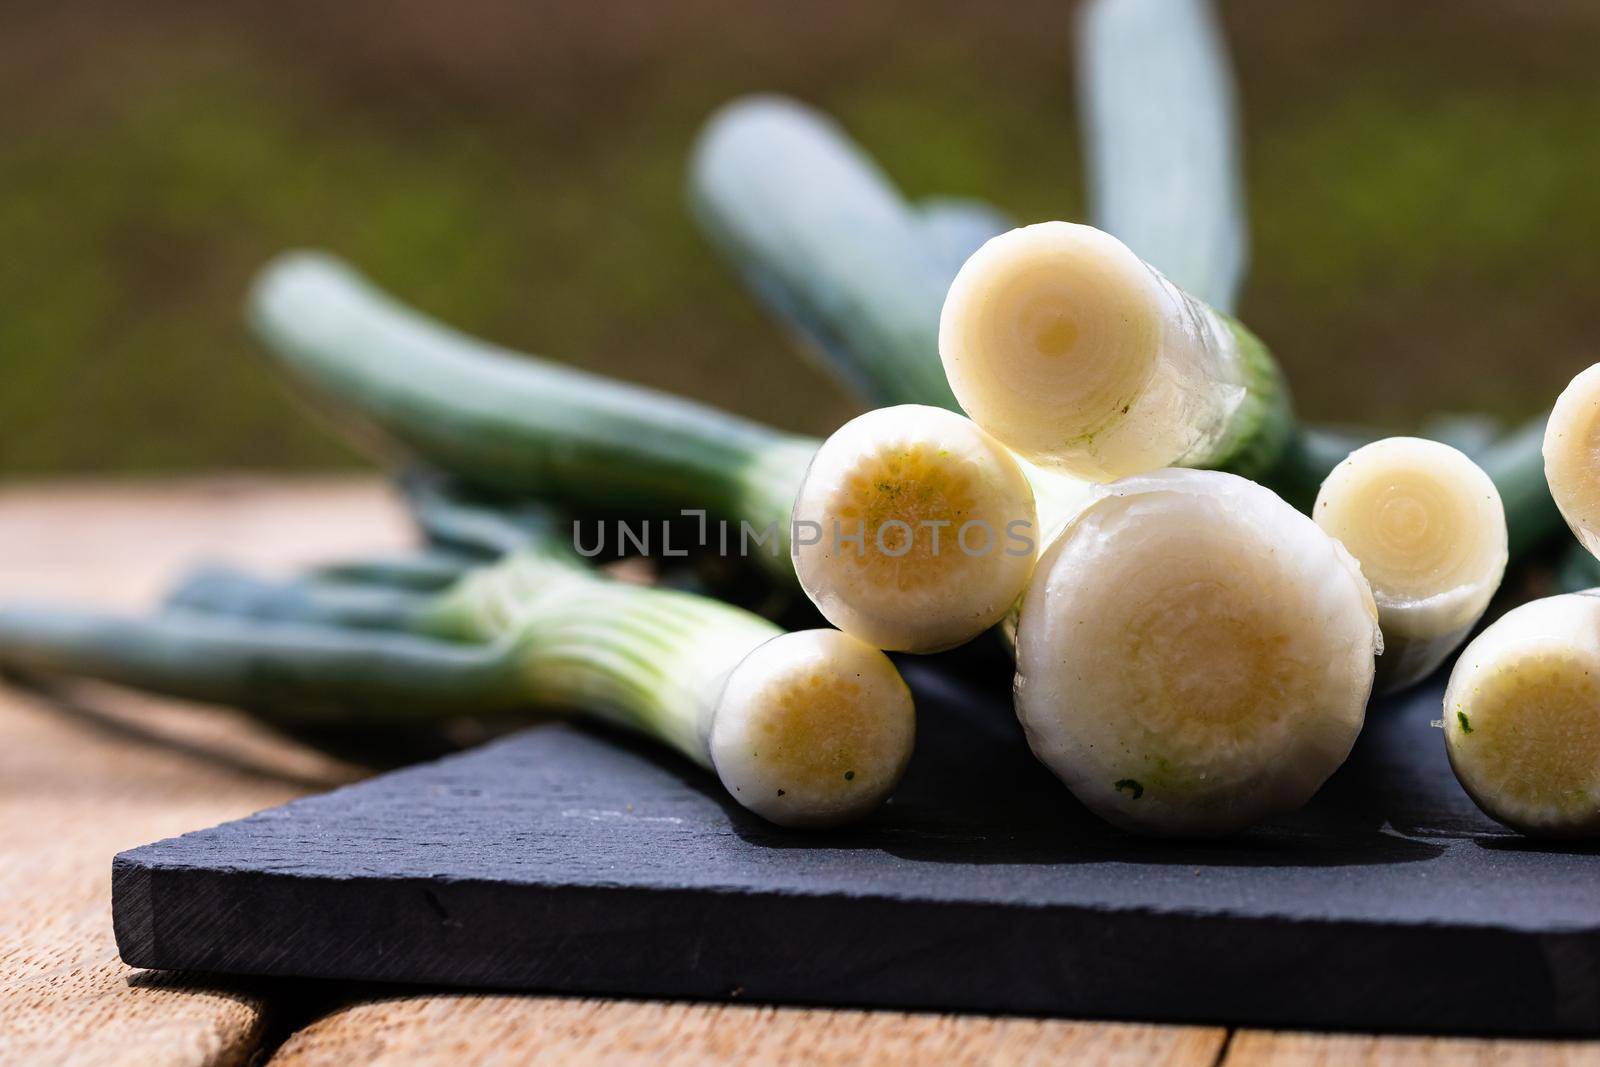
(1193, 654)
(1080, 356)
(1572, 456)
(1522, 717)
(809, 728)
(914, 530)
(813, 728)
(1426, 524)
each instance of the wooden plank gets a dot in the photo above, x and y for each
(120, 543)
(76, 786)
(1259, 1048)
(448, 1030)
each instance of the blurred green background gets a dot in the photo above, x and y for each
(1424, 188)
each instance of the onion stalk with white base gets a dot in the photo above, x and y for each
(522, 425)
(1160, 139)
(1193, 654)
(1427, 526)
(827, 243)
(1522, 717)
(915, 530)
(808, 728)
(1081, 357)
(1572, 456)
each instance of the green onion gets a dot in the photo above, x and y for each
(357, 605)
(806, 729)
(1522, 717)
(1427, 526)
(820, 234)
(425, 571)
(521, 425)
(513, 423)
(1156, 92)
(1193, 654)
(922, 529)
(1516, 464)
(1066, 346)
(1571, 451)
(957, 226)
(288, 673)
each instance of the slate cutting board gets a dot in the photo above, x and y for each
(564, 860)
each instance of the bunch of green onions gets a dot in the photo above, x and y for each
(1067, 444)
(1243, 633)
(807, 728)
(1085, 360)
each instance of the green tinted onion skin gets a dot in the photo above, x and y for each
(514, 423)
(827, 243)
(810, 728)
(1262, 429)
(645, 658)
(289, 673)
(958, 226)
(310, 600)
(424, 571)
(450, 514)
(1161, 139)
(1515, 464)
(767, 710)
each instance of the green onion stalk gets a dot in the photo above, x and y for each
(856, 520)
(807, 728)
(1161, 141)
(427, 570)
(842, 259)
(1056, 338)
(827, 243)
(957, 226)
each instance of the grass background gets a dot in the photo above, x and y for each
(1423, 188)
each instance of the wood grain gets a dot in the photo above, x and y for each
(1258, 1048)
(506, 1029)
(79, 784)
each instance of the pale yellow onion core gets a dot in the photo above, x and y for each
(1572, 456)
(1522, 717)
(813, 728)
(1193, 654)
(1429, 530)
(1062, 343)
(914, 530)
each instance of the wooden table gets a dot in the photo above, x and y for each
(81, 782)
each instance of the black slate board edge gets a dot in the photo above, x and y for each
(133, 864)
(718, 946)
